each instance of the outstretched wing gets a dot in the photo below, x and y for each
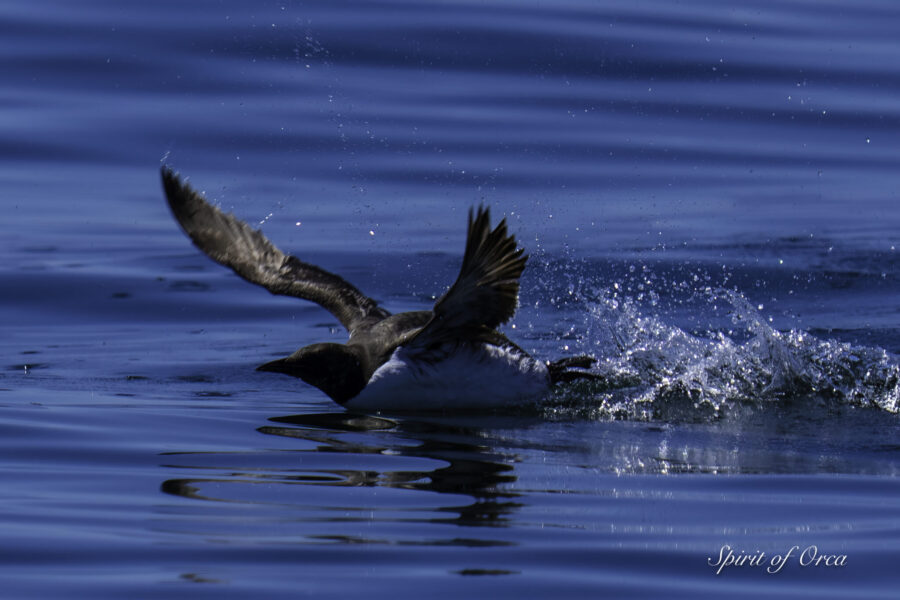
(233, 243)
(485, 294)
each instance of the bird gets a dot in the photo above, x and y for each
(451, 357)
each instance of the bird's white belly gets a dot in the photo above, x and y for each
(486, 378)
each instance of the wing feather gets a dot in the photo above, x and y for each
(485, 294)
(234, 244)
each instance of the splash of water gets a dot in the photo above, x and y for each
(651, 370)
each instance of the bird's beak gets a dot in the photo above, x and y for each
(276, 366)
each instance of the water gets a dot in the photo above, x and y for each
(708, 193)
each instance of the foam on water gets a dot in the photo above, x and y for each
(653, 370)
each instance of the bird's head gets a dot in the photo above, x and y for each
(336, 369)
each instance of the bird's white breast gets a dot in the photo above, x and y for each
(484, 378)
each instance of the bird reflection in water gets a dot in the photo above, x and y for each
(466, 468)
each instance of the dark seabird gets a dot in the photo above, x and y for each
(449, 357)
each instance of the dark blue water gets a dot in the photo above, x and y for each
(707, 190)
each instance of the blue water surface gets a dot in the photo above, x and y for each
(708, 192)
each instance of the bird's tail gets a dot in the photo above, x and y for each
(572, 368)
